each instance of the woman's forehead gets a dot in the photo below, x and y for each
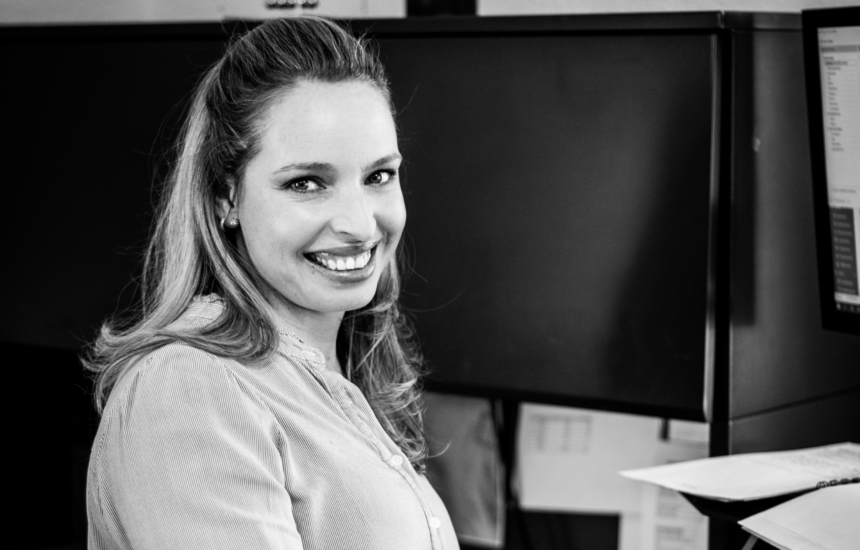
(316, 118)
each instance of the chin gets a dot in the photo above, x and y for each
(346, 301)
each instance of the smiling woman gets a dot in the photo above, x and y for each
(321, 209)
(266, 394)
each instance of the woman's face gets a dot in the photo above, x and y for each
(320, 209)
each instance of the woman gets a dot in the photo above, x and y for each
(266, 397)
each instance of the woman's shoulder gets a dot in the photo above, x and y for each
(202, 311)
(175, 408)
(170, 374)
(175, 389)
(174, 360)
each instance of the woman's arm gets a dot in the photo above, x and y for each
(187, 458)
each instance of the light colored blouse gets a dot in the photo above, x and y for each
(196, 451)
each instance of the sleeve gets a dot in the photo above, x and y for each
(189, 460)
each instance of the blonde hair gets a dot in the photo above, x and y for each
(189, 256)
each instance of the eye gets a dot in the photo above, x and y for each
(381, 177)
(302, 185)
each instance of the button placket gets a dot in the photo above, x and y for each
(373, 432)
(433, 522)
(337, 394)
(371, 422)
(378, 438)
(411, 478)
(358, 420)
(395, 460)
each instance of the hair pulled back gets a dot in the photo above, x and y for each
(189, 256)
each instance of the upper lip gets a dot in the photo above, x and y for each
(349, 250)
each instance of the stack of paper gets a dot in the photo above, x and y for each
(756, 475)
(828, 519)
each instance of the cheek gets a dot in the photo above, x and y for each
(261, 252)
(273, 236)
(392, 217)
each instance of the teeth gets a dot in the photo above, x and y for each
(344, 263)
(361, 261)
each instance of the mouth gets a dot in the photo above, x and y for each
(339, 262)
(345, 262)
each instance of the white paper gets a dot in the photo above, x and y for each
(568, 459)
(756, 475)
(826, 519)
(668, 520)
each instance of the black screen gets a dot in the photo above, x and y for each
(558, 191)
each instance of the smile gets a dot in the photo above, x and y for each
(339, 262)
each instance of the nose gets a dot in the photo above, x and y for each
(354, 214)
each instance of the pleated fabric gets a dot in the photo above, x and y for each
(196, 451)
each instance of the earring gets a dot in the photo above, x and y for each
(229, 222)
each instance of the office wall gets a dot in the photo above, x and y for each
(546, 7)
(30, 12)
(102, 11)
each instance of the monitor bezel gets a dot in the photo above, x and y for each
(813, 20)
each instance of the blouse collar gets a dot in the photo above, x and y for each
(210, 307)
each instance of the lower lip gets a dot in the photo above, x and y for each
(351, 276)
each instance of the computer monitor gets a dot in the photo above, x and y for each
(832, 57)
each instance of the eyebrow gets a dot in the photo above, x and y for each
(327, 167)
(384, 160)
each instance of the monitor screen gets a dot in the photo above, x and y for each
(832, 42)
(559, 194)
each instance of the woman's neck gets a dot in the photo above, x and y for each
(318, 330)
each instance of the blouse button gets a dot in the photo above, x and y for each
(435, 523)
(395, 461)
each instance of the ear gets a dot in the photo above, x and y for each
(225, 203)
